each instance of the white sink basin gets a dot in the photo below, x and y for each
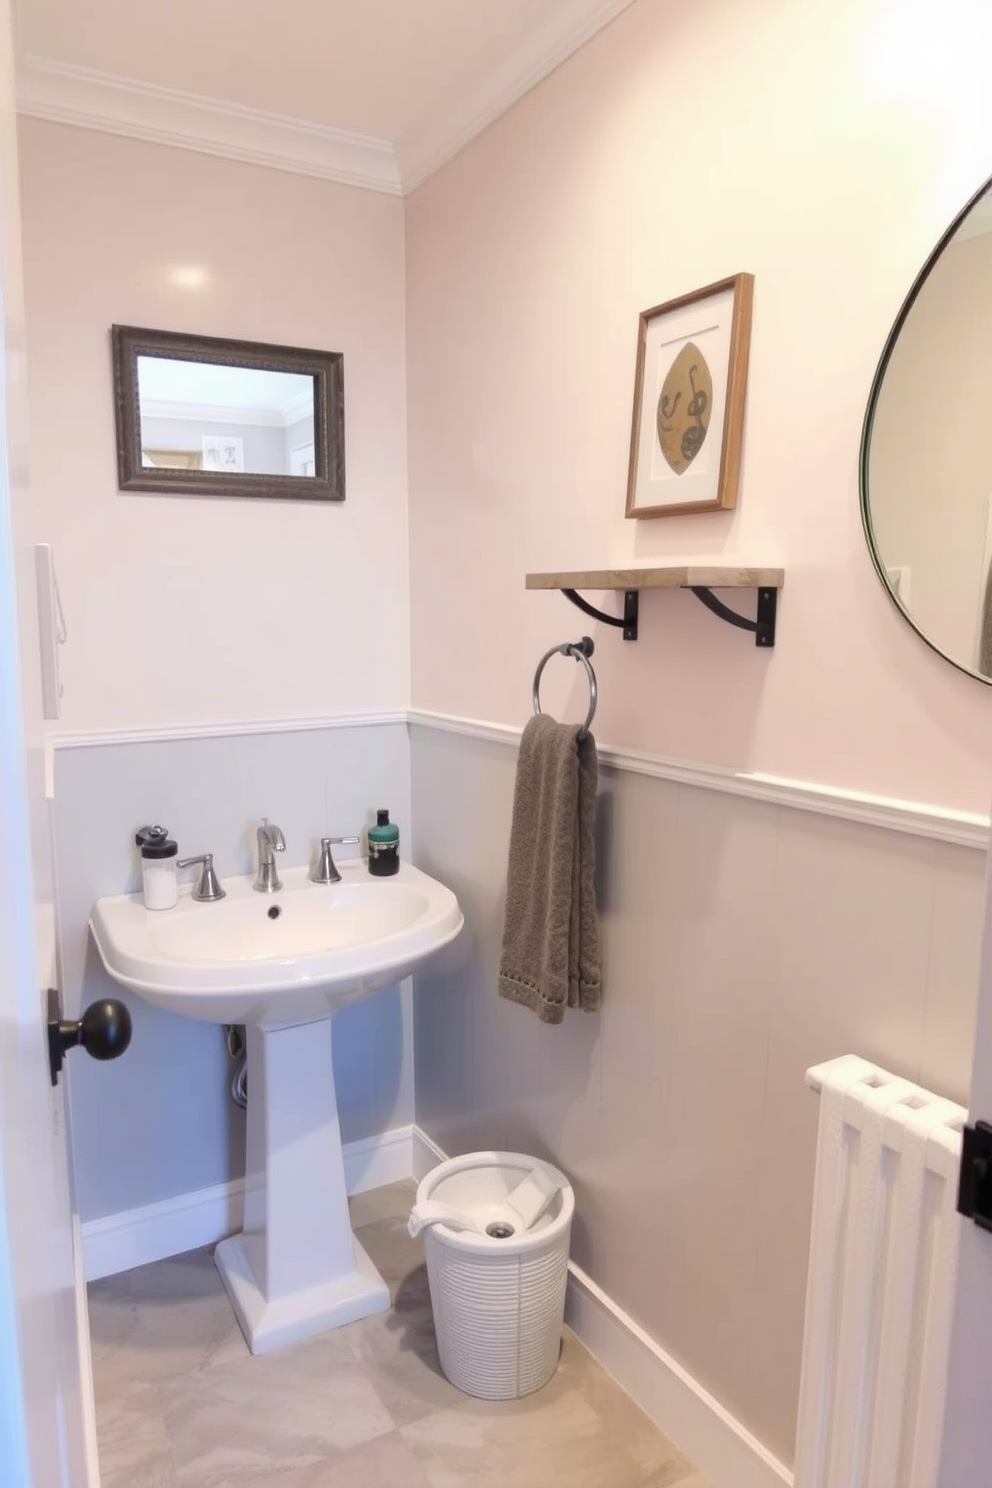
(277, 958)
(283, 963)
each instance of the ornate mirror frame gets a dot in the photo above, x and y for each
(326, 367)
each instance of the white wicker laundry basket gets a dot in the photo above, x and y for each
(498, 1302)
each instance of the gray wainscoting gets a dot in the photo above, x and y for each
(159, 1122)
(742, 942)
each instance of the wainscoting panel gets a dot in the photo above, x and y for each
(160, 1122)
(743, 941)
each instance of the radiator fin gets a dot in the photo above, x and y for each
(880, 1291)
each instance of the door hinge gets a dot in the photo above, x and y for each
(975, 1182)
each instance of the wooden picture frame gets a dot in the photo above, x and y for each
(326, 368)
(689, 389)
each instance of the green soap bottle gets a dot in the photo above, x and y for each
(384, 846)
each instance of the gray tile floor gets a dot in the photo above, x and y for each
(182, 1404)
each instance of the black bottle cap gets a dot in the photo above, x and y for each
(382, 818)
(155, 842)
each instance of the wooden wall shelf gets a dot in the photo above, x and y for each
(701, 579)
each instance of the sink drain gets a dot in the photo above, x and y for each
(274, 912)
(499, 1230)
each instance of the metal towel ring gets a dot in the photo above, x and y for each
(581, 651)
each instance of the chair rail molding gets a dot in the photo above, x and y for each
(920, 819)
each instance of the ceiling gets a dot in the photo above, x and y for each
(403, 83)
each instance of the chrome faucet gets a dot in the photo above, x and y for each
(325, 871)
(270, 840)
(208, 889)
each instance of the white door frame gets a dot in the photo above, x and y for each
(966, 1457)
(47, 1436)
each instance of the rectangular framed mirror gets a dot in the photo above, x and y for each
(209, 417)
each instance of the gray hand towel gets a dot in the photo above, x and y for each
(550, 957)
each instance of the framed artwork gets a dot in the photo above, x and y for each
(689, 386)
(224, 452)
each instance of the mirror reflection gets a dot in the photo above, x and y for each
(225, 420)
(927, 460)
(210, 416)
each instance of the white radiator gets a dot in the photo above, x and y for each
(882, 1263)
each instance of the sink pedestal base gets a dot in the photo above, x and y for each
(268, 1324)
(297, 1269)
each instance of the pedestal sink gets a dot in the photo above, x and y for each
(282, 964)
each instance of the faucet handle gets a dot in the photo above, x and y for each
(326, 870)
(208, 889)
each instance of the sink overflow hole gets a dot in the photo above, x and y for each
(274, 912)
(499, 1230)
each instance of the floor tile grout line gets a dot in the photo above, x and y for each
(404, 1358)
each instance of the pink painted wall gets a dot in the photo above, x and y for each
(823, 148)
(188, 611)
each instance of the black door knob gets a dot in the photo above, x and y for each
(104, 1031)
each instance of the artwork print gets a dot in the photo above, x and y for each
(690, 381)
(225, 452)
(684, 408)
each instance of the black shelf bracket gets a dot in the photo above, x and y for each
(763, 627)
(627, 622)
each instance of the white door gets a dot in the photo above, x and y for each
(46, 1437)
(966, 1460)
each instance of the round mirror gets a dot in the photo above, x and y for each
(926, 452)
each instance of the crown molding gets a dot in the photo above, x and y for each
(210, 413)
(563, 27)
(290, 413)
(66, 94)
(297, 408)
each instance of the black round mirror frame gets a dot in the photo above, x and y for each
(876, 388)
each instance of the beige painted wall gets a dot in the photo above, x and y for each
(930, 475)
(824, 147)
(183, 610)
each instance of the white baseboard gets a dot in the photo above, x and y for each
(715, 1441)
(426, 1154)
(720, 1446)
(375, 1161)
(136, 1237)
(117, 1242)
